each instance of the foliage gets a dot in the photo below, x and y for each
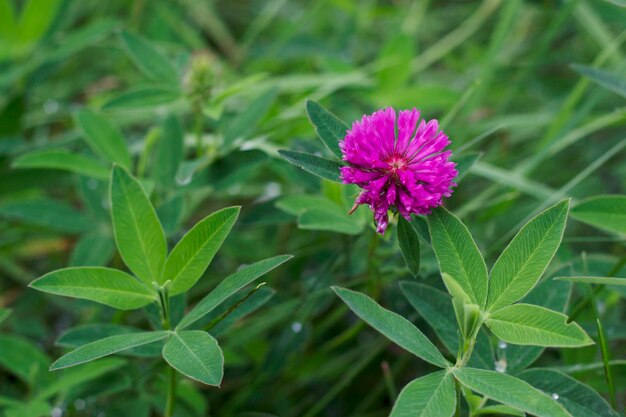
(158, 157)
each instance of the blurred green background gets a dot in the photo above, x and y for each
(534, 91)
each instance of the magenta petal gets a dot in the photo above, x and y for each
(410, 173)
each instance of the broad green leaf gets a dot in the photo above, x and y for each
(22, 358)
(500, 409)
(298, 204)
(436, 308)
(62, 160)
(429, 396)
(196, 354)
(421, 227)
(170, 151)
(92, 250)
(50, 214)
(510, 391)
(549, 294)
(73, 377)
(149, 60)
(138, 232)
(465, 162)
(409, 246)
(8, 23)
(395, 327)
(107, 346)
(87, 333)
(577, 398)
(329, 128)
(524, 260)
(316, 165)
(140, 98)
(193, 254)
(103, 285)
(321, 213)
(333, 219)
(229, 286)
(103, 137)
(526, 324)
(36, 18)
(595, 280)
(458, 254)
(611, 81)
(607, 212)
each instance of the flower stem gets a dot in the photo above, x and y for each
(170, 401)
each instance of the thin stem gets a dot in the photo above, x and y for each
(170, 401)
(468, 348)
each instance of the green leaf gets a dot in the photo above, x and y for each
(138, 232)
(607, 212)
(50, 214)
(329, 128)
(333, 219)
(612, 82)
(22, 358)
(621, 282)
(229, 286)
(524, 260)
(70, 378)
(146, 97)
(395, 327)
(62, 160)
(499, 409)
(170, 151)
(458, 254)
(148, 59)
(429, 396)
(8, 23)
(321, 213)
(577, 398)
(316, 165)
(103, 137)
(196, 354)
(526, 324)
(107, 346)
(549, 294)
(103, 285)
(436, 308)
(36, 18)
(510, 391)
(88, 333)
(193, 254)
(409, 246)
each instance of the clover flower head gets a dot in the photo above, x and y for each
(399, 163)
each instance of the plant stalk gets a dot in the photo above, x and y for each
(170, 401)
